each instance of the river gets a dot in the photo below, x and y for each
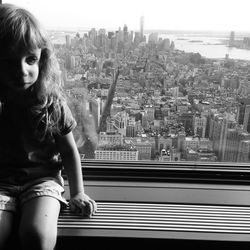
(207, 46)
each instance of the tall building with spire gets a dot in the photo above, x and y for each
(232, 39)
(142, 27)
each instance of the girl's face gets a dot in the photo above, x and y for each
(19, 69)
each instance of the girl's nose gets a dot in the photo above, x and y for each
(24, 68)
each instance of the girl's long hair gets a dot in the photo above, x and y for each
(20, 29)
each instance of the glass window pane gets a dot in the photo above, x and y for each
(162, 80)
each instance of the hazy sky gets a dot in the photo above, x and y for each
(158, 14)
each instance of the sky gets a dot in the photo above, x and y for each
(212, 15)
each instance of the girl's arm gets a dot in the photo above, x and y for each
(71, 161)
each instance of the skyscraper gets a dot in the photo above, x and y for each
(232, 39)
(243, 115)
(125, 33)
(67, 37)
(142, 27)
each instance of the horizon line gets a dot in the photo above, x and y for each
(147, 30)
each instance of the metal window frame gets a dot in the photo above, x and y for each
(178, 172)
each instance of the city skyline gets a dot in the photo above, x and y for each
(161, 14)
(167, 105)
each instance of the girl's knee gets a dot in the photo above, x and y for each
(36, 237)
(38, 225)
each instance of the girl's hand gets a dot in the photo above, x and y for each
(83, 204)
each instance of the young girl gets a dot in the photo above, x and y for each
(36, 138)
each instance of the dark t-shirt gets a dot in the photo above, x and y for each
(23, 156)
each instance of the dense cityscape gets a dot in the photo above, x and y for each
(151, 101)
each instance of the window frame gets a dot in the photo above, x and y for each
(182, 172)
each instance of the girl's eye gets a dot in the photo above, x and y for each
(31, 60)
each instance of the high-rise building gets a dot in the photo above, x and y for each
(69, 62)
(231, 145)
(232, 38)
(218, 133)
(153, 38)
(68, 41)
(243, 115)
(191, 143)
(187, 120)
(110, 138)
(125, 33)
(143, 146)
(164, 143)
(131, 128)
(137, 38)
(150, 112)
(199, 125)
(244, 149)
(117, 153)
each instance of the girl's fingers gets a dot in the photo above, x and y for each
(90, 207)
(85, 207)
(94, 205)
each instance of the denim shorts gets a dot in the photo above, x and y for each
(12, 197)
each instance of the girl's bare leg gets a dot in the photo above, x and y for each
(38, 225)
(6, 226)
